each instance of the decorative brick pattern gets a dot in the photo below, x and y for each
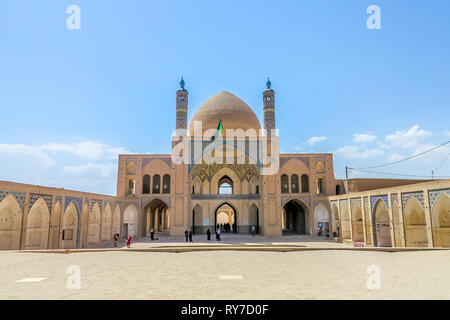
(317, 202)
(418, 195)
(92, 203)
(373, 200)
(284, 160)
(129, 203)
(434, 194)
(167, 160)
(19, 196)
(35, 196)
(285, 200)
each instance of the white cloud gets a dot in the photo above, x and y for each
(447, 133)
(363, 138)
(410, 138)
(394, 157)
(355, 152)
(383, 145)
(29, 164)
(22, 149)
(85, 149)
(105, 170)
(314, 140)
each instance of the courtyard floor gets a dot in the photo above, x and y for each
(336, 271)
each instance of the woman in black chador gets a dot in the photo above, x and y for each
(208, 235)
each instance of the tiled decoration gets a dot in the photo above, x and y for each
(166, 160)
(373, 200)
(93, 202)
(285, 200)
(19, 196)
(250, 148)
(35, 196)
(129, 203)
(324, 202)
(418, 195)
(434, 194)
(284, 160)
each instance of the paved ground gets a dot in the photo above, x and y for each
(324, 274)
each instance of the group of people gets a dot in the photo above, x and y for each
(188, 235)
(226, 227)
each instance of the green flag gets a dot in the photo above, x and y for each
(219, 130)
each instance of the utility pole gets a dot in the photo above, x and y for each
(432, 174)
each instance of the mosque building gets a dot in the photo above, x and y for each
(225, 167)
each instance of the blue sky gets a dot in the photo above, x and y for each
(71, 100)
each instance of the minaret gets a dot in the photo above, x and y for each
(269, 108)
(182, 107)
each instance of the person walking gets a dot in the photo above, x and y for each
(208, 235)
(128, 241)
(190, 236)
(116, 239)
(186, 235)
(218, 234)
(152, 234)
(253, 230)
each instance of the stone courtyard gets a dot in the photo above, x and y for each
(232, 269)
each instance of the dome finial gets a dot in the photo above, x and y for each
(268, 83)
(182, 83)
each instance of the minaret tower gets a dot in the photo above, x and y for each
(182, 107)
(269, 108)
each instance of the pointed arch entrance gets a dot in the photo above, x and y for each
(382, 225)
(10, 224)
(38, 222)
(440, 218)
(294, 217)
(321, 219)
(225, 217)
(155, 216)
(253, 217)
(130, 217)
(415, 224)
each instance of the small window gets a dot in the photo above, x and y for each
(257, 189)
(131, 186)
(166, 183)
(305, 183)
(146, 184)
(320, 185)
(284, 184)
(156, 183)
(294, 183)
(225, 185)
